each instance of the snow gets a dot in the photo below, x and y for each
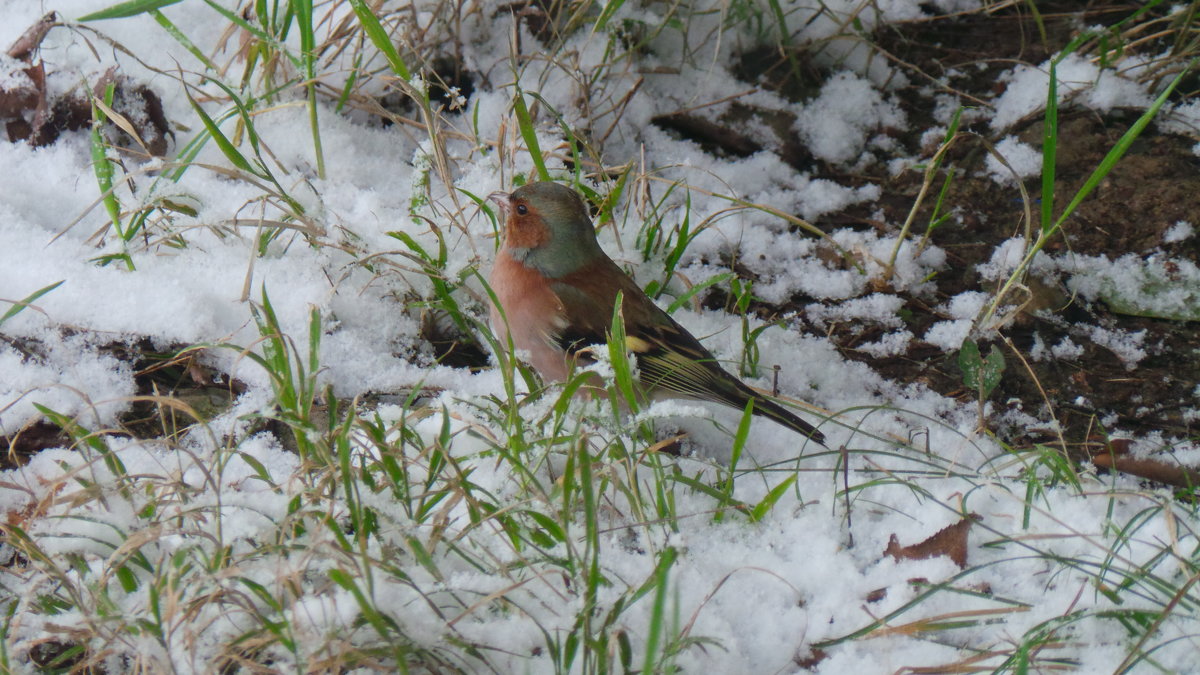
(1078, 78)
(765, 591)
(1158, 285)
(1180, 231)
(837, 124)
(1023, 159)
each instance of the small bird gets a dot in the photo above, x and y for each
(557, 289)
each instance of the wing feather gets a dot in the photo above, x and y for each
(668, 357)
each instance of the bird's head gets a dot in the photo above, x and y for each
(547, 228)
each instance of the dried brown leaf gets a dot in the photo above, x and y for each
(136, 110)
(16, 100)
(32, 38)
(809, 659)
(950, 541)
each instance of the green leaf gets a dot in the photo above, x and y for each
(128, 8)
(102, 166)
(687, 295)
(226, 146)
(623, 374)
(724, 500)
(128, 580)
(550, 527)
(980, 374)
(181, 38)
(609, 10)
(1050, 148)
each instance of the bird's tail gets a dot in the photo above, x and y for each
(774, 411)
(765, 407)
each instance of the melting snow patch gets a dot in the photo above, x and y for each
(838, 123)
(877, 307)
(1127, 345)
(1178, 232)
(962, 308)
(1077, 76)
(1022, 158)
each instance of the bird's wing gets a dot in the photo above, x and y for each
(668, 356)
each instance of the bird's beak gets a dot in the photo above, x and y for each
(502, 199)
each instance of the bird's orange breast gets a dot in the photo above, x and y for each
(534, 314)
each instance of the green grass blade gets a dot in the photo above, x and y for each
(125, 9)
(304, 13)
(610, 8)
(739, 444)
(226, 146)
(764, 507)
(1122, 146)
(182, 39)
(19, 306)
(687, 295)
(103, 167)
(658, 611)
(1050, 148)
(529, 134)
(617, 353)
(256, 32)
(380, 38)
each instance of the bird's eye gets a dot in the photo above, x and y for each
(522, 209)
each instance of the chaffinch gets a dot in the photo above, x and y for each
(558, 289)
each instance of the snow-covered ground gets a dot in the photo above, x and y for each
(172, 554)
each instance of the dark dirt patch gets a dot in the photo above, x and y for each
(1155, 186)
(173, 391)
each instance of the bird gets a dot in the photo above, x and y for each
(554, 294)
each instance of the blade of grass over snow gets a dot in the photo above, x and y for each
(1049, 148)
(274, 42)
(434, 269)
(226, 146)
(697, 289)
(529, 133)
(931, 169)
(104, 169)
(308, 57)
(19, 306)
(380, 38)
(293, 375)
(126, 9)
(739, 445)
(180, 37)
(88, 440)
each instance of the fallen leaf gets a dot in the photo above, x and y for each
(1150, 468)
(809, 659)
(950, 541)
(32, 38)
(30, 114)
(136, 110)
